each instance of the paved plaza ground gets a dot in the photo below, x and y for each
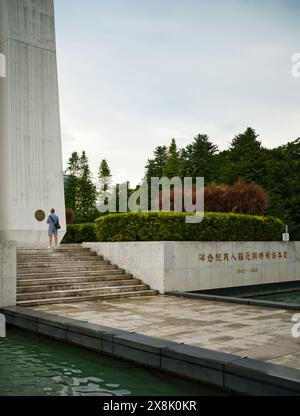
(255, 332)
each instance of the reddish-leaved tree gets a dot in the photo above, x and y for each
(241, 197)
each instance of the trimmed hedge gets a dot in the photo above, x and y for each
(79, 233)
(171, 226)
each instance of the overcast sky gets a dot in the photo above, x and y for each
(135, 73)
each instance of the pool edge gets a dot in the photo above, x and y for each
(237, 300)
(222, 370)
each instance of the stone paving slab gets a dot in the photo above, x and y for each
(248, 331)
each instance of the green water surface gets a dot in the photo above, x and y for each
(287, 297)
(31, 365)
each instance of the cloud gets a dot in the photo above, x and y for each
(135, 74)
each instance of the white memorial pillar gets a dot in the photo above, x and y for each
(31, 171)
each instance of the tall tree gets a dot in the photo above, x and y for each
(87, 193)
(156, 165)
(71, 181)
(173, 166)
(198, 159)
(104, 185)
(245, 159)
(80, 191)
(283, 184)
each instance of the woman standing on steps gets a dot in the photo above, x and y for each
(53, 228)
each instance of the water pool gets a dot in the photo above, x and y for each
(287, 297)
(32, 365)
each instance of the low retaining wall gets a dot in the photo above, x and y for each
(8, 273)
(226, 371)
(198, 265)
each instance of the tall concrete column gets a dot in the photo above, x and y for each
(31, 171)
(8, 273)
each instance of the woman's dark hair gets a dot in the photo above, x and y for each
(52, 211)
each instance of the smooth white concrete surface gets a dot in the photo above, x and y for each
(8, 260)
(31, 170)
(143, 260)
(182, 266)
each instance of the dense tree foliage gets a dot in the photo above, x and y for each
(173, 166)
(198, 159)
(276, 170)
(155, 167)
(80, 191)
(71, 181)
(246, 161)
(104, 185)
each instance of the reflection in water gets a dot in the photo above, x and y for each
(287, 297)
(25, 369)
(32, 365)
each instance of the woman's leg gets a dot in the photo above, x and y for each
(50, 240)
(55, 240)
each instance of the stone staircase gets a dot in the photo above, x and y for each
(71, 274)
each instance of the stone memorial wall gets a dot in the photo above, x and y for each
(186, 266)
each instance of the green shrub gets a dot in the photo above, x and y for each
(83, 218)
(171, 226)
(79, 233)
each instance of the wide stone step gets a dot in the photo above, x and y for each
(72, 274)
(69, 269)
(61, 249)
(61, 255)
(62, 260)
(40, 302)
(74, 286)
(63, 266)
(80, 292)
(49, 252)
(57, 253)
(113, 270)
(68, 259)
(75, 280)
